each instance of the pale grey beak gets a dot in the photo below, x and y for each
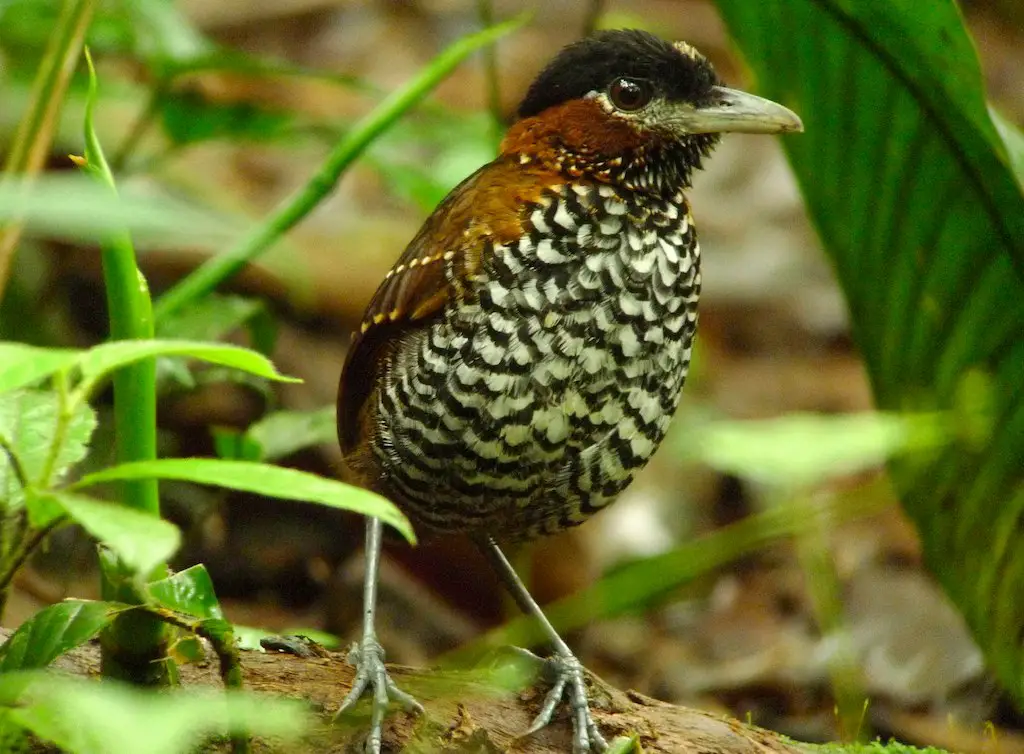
(739, 112)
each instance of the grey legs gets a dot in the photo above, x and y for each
(566, 670)
(368, 656)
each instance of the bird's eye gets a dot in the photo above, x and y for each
(629, 95)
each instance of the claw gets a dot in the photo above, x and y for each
(368, 659)
(567, 676)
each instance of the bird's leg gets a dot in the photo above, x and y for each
(566, 670)
(368, 655)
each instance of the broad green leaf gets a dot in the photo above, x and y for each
(83, 717)
(89, 212)
(102, 359)
(22, 365)
(282, 433)
(189, 591)
(53, 631)
(142, 541)
(801, 450)
(28, 424)
(261, 479)
(911, 188)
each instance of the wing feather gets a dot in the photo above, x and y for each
(437, 266)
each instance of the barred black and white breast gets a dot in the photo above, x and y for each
(546, 371)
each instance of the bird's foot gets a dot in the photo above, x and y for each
(367, 657)
(568, 682)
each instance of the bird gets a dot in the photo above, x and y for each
(523, 358)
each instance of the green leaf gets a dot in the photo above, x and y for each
(96, 161)
(913, 193)
(74, 208)
(102, 359)
(84, 717)
(261, 479)
(282, 433)
(625, 745)
(210, 319)
(28, 422)
(53, 631)
(141, 540)
(802, 450)
(190, 117)
(189, 591)
(22, 365)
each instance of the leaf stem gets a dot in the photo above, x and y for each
(34, 136)
(133, 647)
(220, 268)
(130, 313)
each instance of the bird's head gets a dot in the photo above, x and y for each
(626, 107)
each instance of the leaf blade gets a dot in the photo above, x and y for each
(53, 631)
(103, 359)
(262, 479)
(932, 266)
(141, 540)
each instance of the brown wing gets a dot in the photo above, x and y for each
(486, 207)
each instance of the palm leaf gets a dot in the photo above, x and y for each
(914, 196)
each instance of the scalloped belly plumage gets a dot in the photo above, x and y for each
(534, 400)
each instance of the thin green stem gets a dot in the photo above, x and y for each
(130, 313)
(485, 9)
(65, 409)
(27, 545)
(34, 136)
(134, 647)
(222, 638)
(19, 472)
(220, 268)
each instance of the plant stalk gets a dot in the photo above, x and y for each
(222, 267)
(34, 136)
(134, 647)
